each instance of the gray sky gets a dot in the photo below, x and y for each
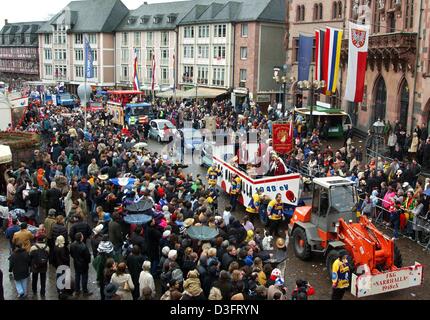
(39, 10)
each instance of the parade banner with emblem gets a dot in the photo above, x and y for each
(368, 285)
(357, 60)
(282, 137)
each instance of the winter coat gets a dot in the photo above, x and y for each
(61, 256)
(152, 238)
(120, 280)
(227, 259)
(49, 223)
(225, 287)
(81, 256)
(60, 230)
(134, 265)
(53, 196)
(115, 233)
(33, 258)
(81, 227)
(414, 145)
(23, 238)
(146, 281)
(20, 264)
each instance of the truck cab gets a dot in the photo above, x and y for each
(333, 198)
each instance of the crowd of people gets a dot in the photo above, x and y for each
(65, 207)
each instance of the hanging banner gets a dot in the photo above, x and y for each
(305, 57)
(282, 135)
(357, 60)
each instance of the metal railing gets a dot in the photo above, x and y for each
(379, 213)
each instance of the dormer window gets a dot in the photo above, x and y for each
(171, 18)
(156, 20)
(144, 19)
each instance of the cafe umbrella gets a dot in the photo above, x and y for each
(123, 182)
(202, 233)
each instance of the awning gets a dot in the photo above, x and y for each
(5, 154)
(179, 94)
(204, 93)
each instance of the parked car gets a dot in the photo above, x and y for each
(158, 133)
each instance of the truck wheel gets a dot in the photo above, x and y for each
(302, 249)
(398, 261)
(330, 259)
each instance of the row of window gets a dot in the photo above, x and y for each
(126, 73)
(219, 31)
(337, 8)
(218, 75)
(317, 14)
(17, 39)
(219, 52)
(18, 52)
(18, 64)
(61, 54)
(60, 71)
(125, 39)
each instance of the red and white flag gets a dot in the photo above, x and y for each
(153, 71)
(357, 60)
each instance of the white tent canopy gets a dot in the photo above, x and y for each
(5, 112)
(179, 94)
(5, 154)
(204, 93)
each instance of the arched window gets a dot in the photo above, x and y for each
(320, 6)
(303, 13)
(315, 13)
(380, 94)
(404, 103)
(298, 13)
(339, 9)
(334, 14)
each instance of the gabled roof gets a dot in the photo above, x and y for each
(203, 11)
(147, 12)
(211, 11)
(89, 16)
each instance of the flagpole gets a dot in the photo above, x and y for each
(85, 84)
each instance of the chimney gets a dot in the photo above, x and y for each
(6, 21)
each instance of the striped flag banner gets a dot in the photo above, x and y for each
(357, 60)
(319, 53)
(331, 58)
(136, 84)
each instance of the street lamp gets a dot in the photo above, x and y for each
(378, 128)
(84, 93)
(286, 82)
(313, 87)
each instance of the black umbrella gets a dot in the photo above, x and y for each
(202, 233)
(140, 207)
(138, 219)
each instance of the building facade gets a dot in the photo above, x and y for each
(19, 54)
(397, 73)
(233, 46)
(62, 40)
(151, 31)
